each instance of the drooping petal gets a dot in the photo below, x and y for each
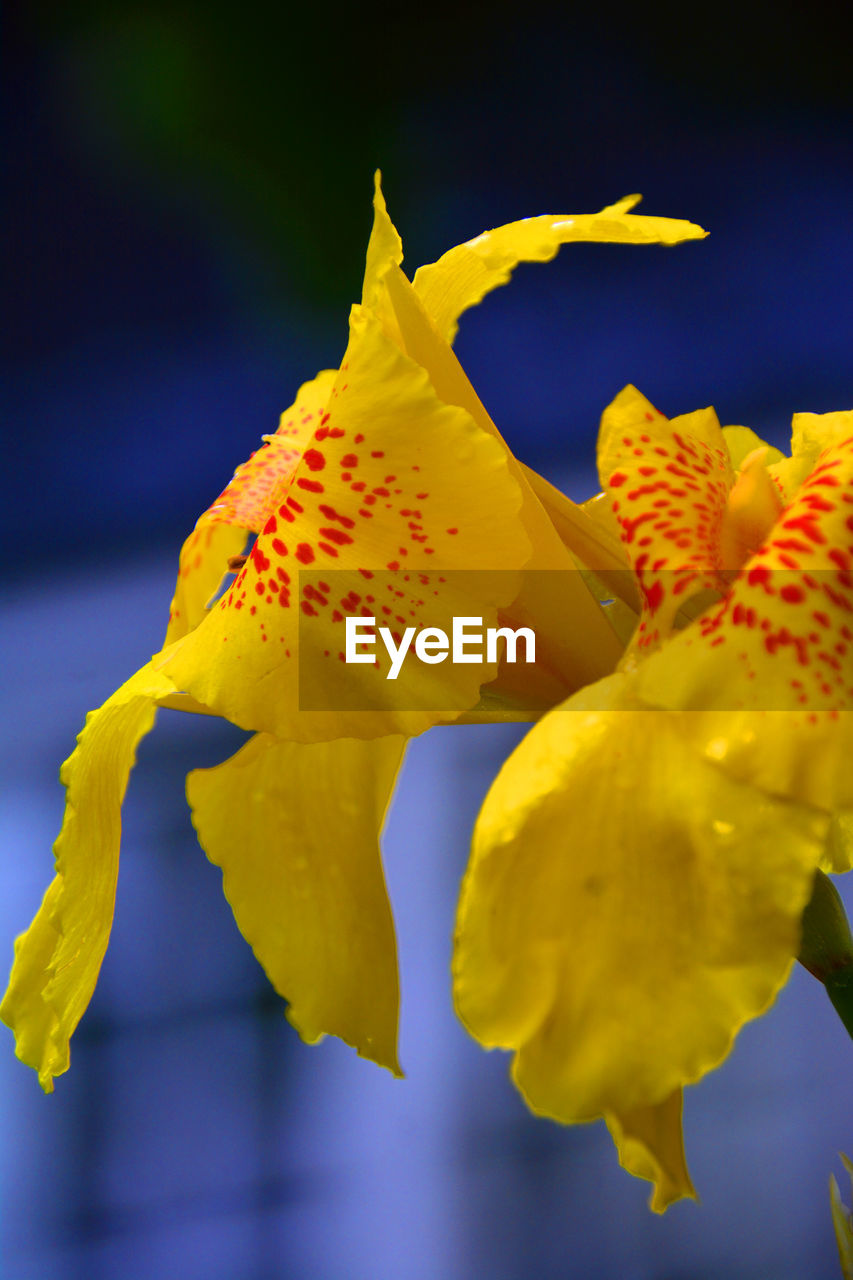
(668, 482)
(624, 911)
(651, 1146)
(464, 275)
(242, 507)
(58, 959)
(295, 830)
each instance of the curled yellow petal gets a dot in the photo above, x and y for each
(58, 959)
(464, 275)
(295, 830)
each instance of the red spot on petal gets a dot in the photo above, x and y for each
(336, 535)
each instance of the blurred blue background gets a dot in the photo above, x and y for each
(189, 201)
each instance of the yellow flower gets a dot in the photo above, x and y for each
(389, 465)
(641, 865)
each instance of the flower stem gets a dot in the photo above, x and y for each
(826, 949)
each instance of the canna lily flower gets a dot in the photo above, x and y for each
(641, 865)
(389, 466)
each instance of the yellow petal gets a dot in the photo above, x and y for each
(626, 909)
(384, 251)
(202, 566)
(463, 276)
(811, 433)
(742, 441)
(668, 482)
(650, 1145)
(244, 505)
(839, 853)
(295, 830)
(581, 645)
(393, 479)
(58, 959)
(591, 532)
(754, 505)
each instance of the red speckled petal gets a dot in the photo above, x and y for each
(246, 500)
(243, 506)
(668, 482)
(295, 830)
(298, 423)
(393, 478)
(464, 275)
(783, 636)
(781, 641)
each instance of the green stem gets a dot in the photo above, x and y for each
(839, 988)
(826, 949)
